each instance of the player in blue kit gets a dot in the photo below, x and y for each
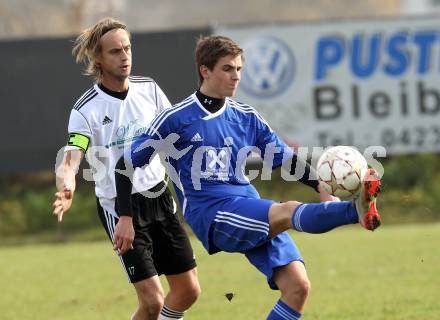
(205, 141)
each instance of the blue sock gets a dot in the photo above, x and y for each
(282, 311)
(324, 216)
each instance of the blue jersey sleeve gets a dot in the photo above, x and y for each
(274, 150)
(140, 152)
(146, 146)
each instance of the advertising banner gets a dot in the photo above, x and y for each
(362, 83)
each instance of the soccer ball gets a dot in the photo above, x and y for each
(341, 170)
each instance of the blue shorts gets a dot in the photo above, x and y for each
(242, 225)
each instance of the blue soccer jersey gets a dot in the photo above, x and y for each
(206, 153)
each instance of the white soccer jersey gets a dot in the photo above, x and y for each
(112, 124)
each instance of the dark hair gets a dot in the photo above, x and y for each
(210, 49)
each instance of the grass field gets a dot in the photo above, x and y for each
(389, 274)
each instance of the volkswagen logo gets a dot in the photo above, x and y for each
(269, 68)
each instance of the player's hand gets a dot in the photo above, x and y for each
(62, 203)
(325, 196)
(124, 235)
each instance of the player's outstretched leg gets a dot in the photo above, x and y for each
(311, 217)
(365, 204)
(324, 216)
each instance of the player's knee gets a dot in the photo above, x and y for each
(194, 293)
(297, 290)
(151, 302)
(290, 206)
(304, 288)
(283, 209)
(188, 295)
(153, 307)
(301, 288)
(280, 217)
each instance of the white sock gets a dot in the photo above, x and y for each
(169, 314)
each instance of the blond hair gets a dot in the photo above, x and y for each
(87, 45)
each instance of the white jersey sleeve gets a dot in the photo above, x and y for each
(78, 124)
(162, 101)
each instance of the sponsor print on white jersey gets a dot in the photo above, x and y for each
(112, 125)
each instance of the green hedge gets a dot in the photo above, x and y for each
(26, 207)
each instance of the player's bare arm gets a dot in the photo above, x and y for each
(66, 183)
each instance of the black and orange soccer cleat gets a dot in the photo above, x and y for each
(365, 203)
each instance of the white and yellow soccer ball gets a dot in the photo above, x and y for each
(341, 170)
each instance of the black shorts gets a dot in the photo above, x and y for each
(161, 245)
